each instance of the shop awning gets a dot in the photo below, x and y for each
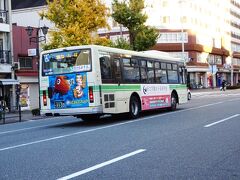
(4, 82)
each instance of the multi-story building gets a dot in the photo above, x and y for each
(205, 34)
(25, 48)
(7, 82)
(235, 39)
(27, 73)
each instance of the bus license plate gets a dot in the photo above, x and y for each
(59, 104)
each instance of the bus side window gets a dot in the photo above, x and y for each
(150, 72)
(116, 70)
(130, 70)
(172, 73)
(143, 70)
(180, 70)
(105, 67)
(161, 72)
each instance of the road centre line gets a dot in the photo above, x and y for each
(105, 127)
(228, 118)
(79, 173)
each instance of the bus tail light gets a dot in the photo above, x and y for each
(91, 98)
(44, 98)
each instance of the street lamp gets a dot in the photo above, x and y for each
(37, 39)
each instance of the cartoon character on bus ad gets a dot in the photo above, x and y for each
(69, 91)
(80, 85)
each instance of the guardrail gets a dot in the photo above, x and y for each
(10, 114)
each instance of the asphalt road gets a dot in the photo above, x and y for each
(201, 140)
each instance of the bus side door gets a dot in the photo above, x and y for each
(111, 89)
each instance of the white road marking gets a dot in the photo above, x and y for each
(231, 117)
(105, 127)
(199, 96)
(35, 127)
(79, 173)
(231, 100)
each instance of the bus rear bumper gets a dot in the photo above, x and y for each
(73, 111)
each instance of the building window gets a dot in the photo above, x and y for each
(218, 59)
(25, 62)
(183, 19)
(173, 37)
(166, 20)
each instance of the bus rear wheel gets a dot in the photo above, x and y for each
(134, 107)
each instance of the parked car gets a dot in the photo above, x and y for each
(189, 95)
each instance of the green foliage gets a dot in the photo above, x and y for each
(145, 38)
(76, 21)
(130, 14)
(122, 44)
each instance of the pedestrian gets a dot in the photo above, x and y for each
(223, 85)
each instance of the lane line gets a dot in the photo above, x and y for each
(105, 127)
(35, 127)
(231, 117)
(79, 173)
(231, 100)
(29, 128)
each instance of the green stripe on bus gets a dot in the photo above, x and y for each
(96, 88)
(180, 86)
(41, 92)
(121, 87)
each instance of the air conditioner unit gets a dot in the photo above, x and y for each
(16, 65)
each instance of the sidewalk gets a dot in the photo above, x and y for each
(25, 116)
(210, 90)
(205, 89)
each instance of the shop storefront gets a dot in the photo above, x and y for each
(6, 93)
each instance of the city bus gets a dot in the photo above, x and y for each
(91, 81)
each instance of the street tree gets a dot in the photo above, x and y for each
(130, 14)
(76, 22)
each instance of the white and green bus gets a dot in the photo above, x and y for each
(90, 81)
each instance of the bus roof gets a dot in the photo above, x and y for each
(149, 54)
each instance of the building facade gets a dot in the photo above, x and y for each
(205, 34)
(7, 66)
(24, 14)
(235, 39)
(27, 72)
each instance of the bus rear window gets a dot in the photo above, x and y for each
(67, 61)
